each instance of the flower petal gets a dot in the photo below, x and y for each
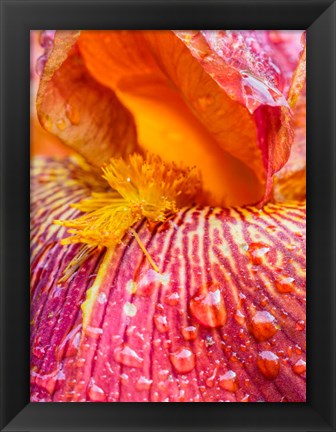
(180, 112)
(256, 68)
(224, 320)
(85, 115)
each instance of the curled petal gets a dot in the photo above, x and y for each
(222, 320)
(72, 105)
(255, 68)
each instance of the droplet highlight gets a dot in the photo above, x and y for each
(127, 356)
(269, 365)
(208, 307)
(183, 360)
(263, 326)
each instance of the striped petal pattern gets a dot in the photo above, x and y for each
(223, 320)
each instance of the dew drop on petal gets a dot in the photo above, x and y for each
(131, 286)
(263, 326)
(72, 113)
(172, 299)
(239, 317)
(257, 251)
(183, 360)
(284, 284)
(269, 365)
(127, 356)
(102, 298)
(129, 309)
(95, 393)
(208, 307)
(149, 281)
(189, 333)
(299, 367)
(228, 381)
(61, 124)
(300, 325)
(161, 323)
(143, 383)
(211, 380)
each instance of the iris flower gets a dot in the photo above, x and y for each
(168, 241)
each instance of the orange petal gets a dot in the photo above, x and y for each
(224, 320)
(181, 113)
(82, 113)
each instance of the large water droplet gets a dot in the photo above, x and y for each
(269, 365)
(161, 323)
(183, 360)
(299, 367)
(263, 326)
(127, 356)
(208, 307)
(257, 251)
(229, 381)
(284, 284)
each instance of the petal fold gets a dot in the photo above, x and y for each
(82, 113)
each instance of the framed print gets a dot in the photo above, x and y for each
(166, 168)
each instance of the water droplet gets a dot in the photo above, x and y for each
(72, 113)
(183, 360)
(149, 281)
(284, 284)
(269, 365)
(129, 309)
(160, 322)
(189, 333)
(131, 286)
(208, 307)
(172, 299)
(209, 341)
(40, 63)
(257, 251)
(94, 332)
(228, 381)
(95, 393)
(124, 379)
(127, 356)
(102, 298)
(300, 325)
(143, 383)
(205, 101)
(263, 326)
(299, 367)
(46, 39)
(245, 398)
(61, 124)
(211, 380)
(239, 317)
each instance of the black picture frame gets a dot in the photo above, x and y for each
(18, 17)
